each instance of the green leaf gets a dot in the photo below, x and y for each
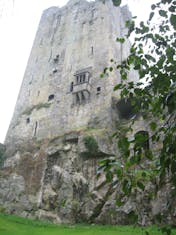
(109, 176)
(119, 202)
(123, 144)
(151, 15)
(172, 9)
(166, 1)
(144, 174)
(140, 185)
(118, 86)
(163, 13)
(116, 2)
(153, 126)
(121, 40)
(173, 20)
(149, 57)
(153, 6)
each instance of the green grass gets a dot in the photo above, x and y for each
(13, 225)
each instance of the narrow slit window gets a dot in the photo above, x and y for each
(92, 50)
(77, 79)
(71, 87)
(98, 90)
(35, 129)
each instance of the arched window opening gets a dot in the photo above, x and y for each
(50, 97)
(125, 109)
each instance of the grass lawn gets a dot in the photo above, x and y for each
(13, 225)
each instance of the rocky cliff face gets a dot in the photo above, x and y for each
(57, 180)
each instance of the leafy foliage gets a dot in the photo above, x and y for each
(153, 55)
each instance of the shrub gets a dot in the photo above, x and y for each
(91, 144)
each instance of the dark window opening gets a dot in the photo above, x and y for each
(82, 78)
(55, 70)
(98, 90)
(141, 141)
(28, 120)
(35, 130)
(50, 97)
(56, 59)
(92, 51)
(77, 79)
(125, 108)
(71, 87)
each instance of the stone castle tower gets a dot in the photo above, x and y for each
(65, 116)
(62, 90)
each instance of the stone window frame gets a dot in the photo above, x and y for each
(82, 77)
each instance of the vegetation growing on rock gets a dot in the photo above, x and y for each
(91, 144)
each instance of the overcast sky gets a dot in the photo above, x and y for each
(17, 31)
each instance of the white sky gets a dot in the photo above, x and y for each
(17, 32)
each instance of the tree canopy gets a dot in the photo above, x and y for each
(153, 55)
